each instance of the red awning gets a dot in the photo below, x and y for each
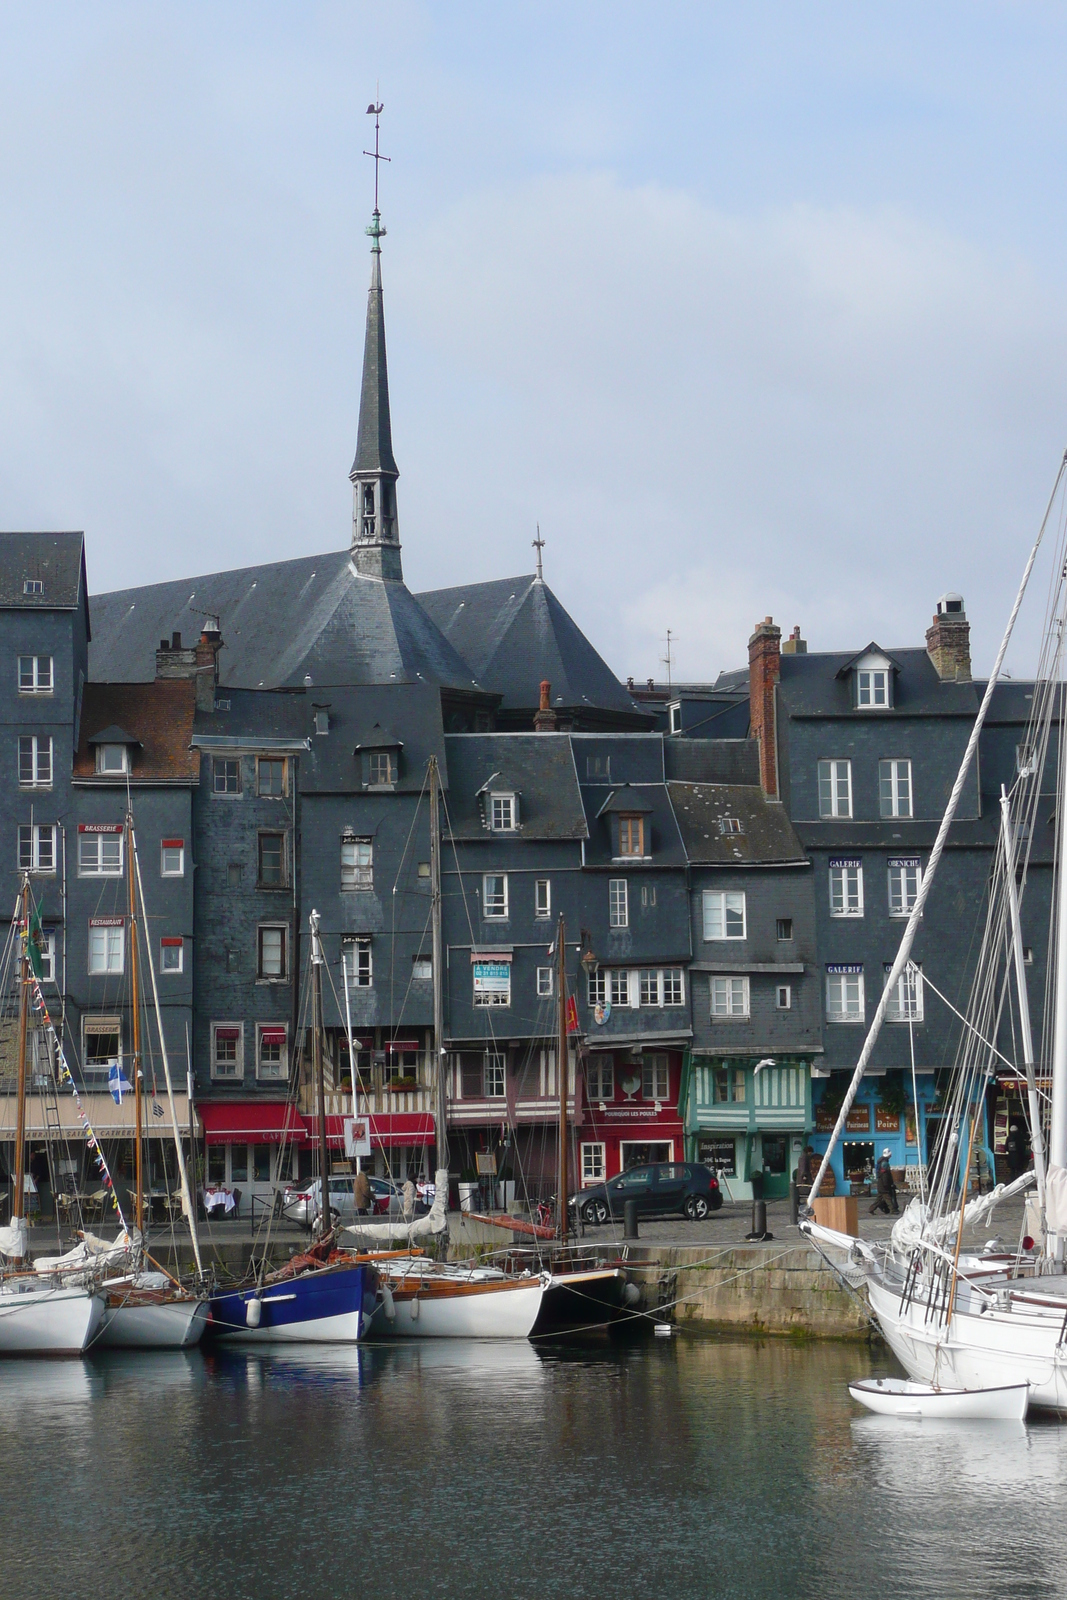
(252, 1121)
(389, 1128)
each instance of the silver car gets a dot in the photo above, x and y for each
(301, 1201)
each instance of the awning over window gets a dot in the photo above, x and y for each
(252, 1122)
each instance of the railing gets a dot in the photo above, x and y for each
(375, 1102)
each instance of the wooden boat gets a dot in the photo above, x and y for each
(898, 1397)
(424, 1304)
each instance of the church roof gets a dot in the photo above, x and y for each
(374, 441)
(281, 623)
(514, 632)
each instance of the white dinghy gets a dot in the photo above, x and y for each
(896, 1397)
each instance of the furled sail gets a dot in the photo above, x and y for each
(434, 1223)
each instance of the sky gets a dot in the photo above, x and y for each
(756, 309)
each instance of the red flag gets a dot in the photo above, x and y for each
(572, 1015)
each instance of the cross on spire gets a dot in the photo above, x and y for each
(376, 231)
(539, 545)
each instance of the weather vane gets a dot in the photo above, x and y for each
(375, 110)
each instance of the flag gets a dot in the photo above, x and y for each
(35, 944)
(117, 1082)
(572, 1015)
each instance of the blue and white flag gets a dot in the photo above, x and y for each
(118, 1083)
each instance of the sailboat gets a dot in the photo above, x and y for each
(40, 1313)
(959, 1319)
(145, 1309)
(321, 1296)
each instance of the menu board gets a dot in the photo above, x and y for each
(719, 1154)
(858, 1120)
(886, 1121)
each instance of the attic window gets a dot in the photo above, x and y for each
(631, 835)
(322, 719)
(503, 812)
(730, 825)
(675, 713)
(381, 767)
(33, 586)
(872, 686)
(112, 758)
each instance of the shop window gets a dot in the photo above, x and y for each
(594, 1163)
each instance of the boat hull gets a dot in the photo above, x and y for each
(38, 1320)
(146, 1324)
(424, 1308)
(582, 1302)
(892, 1397)
(981, 1349)
(335, 1305)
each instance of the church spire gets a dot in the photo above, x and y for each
(375, 537)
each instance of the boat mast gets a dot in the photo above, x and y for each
(1057, 1144)
(320, 1081)
(18, 1204)
(440, 1125)
(138, 1204)
(561, 1055)
(1024, 1004)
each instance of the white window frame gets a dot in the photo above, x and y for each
(94, 1026)
(35, 760)
(422, 969)
(30, 680)
(357, 864)
(896, 798)
(725, 914)
(845, 998)
(618, 903)
(220, 769)
(542, 897)
(494, 1076)
(655, 1077)
(731, 999)
(503, 812)
(227, 1071)
(106, 767)
(37, 847)
(783, 997)
(835, 787)
(846, 888)
(171, 847)
(600, 1079)
(903, 893)
(672, 984)
(872, 688)
(498, 902)
(485, 999)
(650, 988)
(544, 982)
(262, 976)
(359, 962)
(272, 1071)
(106, 949)
(594, 1163)
(170, 947)
(596, 987)
(47, 950)
(91, 855)
(620, 989)
(906, 1002)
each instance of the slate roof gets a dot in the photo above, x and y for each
(539, 767)
(159, 716)
(662, 837)
(55, 559)
(767, 837)
(810, 686)
(514, 632)
(281, 622)
(712, 760)
(374, 440)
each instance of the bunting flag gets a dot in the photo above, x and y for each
(63, 1072)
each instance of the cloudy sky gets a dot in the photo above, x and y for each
(756, 308)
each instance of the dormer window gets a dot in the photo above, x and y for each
(503, 812)
(322, 719)
(674, 713)
(112, 758)
(381, 768)
(872, 680)
(631, 835)
(730, 825)
(872, 687)
(33, 586)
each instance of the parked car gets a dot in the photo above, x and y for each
(677, 1188)
(300, 1201)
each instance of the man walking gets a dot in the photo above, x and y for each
(886, 1200)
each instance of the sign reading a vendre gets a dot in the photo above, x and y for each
(492, 977)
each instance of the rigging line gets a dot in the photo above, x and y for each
(912, 928)
(392, 897)
(968, 1025)
(466, 909)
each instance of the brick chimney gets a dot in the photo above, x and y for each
(544, 716)
(764, 665)
(174, 660)
(795, 645)
(207, 664)
(948, 640)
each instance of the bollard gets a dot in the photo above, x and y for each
(794, 1203)
(629, 1219)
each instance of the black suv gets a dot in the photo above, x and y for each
(677, 1188)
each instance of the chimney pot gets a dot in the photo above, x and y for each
(948, 640)
(545, 717)
(176, 640)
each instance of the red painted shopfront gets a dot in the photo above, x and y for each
(629, 1113)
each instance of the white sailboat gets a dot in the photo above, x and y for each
(39, 1315)
(958, 1320)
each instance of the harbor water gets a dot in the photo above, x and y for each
(685, 1467)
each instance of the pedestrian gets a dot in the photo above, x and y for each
(887, 1189)
(805, 1165)
(1016, 1152)
(361, 1193)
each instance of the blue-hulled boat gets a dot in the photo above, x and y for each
(330, 1304)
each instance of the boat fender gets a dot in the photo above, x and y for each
(415, 1309)
(631, 1295)
(253, 1312)
(388, 1303)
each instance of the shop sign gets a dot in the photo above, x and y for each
(635, 1114)
(825, 1119)
(846, 861)
(357, 1136)
(858, 1120)
(492, 978)
(719, 1154)
(886, 1121)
